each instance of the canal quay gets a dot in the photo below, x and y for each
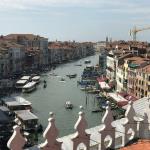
(53, 97)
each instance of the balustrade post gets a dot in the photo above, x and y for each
(81, 136)
(50, 134)
(144, 126)
(17, 141)
(107, 131)
(130, 124)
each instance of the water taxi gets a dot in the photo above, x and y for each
(20, 83)
(26, 78)
(36, 79)
(68, 105)
(87, 61)
(29, 87)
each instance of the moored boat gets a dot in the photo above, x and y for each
(26, 78)
(97, 110)
(27, 120)
(29, 87)
(87, 61)
(36, 79)
(20, 83)
(16, 103)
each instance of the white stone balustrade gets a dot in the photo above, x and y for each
(109, 134)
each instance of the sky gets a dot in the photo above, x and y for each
(79, 20)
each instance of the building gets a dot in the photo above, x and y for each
(115, 58)
(60, 52)
(136, 81)
(103, 61)
(4, 62)
(32, 42)
(12, 55)
(120, 78)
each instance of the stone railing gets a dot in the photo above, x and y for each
(110, 134)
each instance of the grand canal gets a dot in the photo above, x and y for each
(53, 97)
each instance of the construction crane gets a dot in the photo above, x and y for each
(134, 31)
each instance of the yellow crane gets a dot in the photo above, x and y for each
(134, 31)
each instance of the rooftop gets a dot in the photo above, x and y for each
(25, 36)
(16, 101)
(139, 145)
(26, 115)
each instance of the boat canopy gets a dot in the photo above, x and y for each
(25, 78)
(21, 81)
(30, 84)
(16, 101)
(104, 85)
(117, 97)
(36, 78)
(26, 115)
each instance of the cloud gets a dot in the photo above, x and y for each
(114, 6)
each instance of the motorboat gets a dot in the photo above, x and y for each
(36, 79)
(68, 105)
(71, 75)
(26, 78)
(20, 83)
(29, 87)
(87, 61)
(97, 110)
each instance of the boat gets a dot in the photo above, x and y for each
(45, 85)
(26, 78)
(97, 110)
(52, 74)
(27, 120)
(29, 87)
(68, 105)
(62, 79)
(36, 79)
(20, 83)
(71, 75)
(87, 61)
(16, 103)
(44, 81)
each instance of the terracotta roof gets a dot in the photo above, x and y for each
(140, 145)
(145, 69)
(7, 44)
(27, 36)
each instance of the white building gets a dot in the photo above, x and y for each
(120, 78)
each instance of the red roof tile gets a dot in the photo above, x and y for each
(140, 145)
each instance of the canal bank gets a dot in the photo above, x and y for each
(53, 97)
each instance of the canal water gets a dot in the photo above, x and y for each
(53, 97)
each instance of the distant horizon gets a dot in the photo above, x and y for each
(79, 20)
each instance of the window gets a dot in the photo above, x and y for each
(140, 82)
(149, 88)
(120, 80)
